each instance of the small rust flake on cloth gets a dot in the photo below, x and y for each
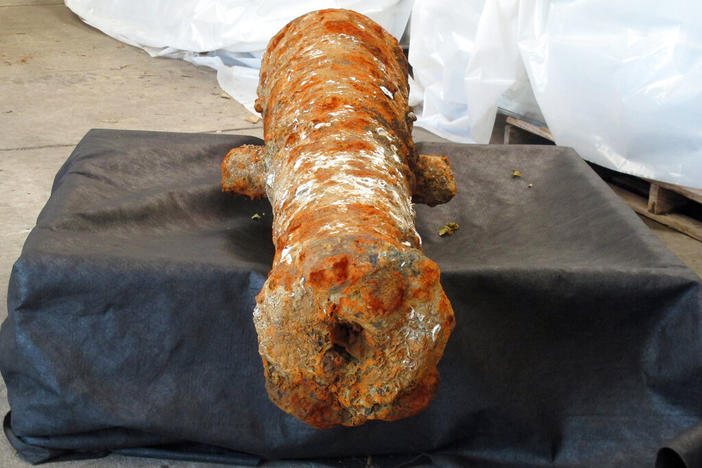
(352, 319)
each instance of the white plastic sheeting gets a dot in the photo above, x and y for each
(463, 57)
(227, 35)
(621, 82)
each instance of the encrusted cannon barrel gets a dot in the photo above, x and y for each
(352, 319)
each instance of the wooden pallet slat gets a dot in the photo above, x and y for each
(540, 130)
(663, 201)
(687, 192)
(681, 223)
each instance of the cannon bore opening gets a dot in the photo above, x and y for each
(349, 341)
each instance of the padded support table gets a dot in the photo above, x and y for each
(578, 337)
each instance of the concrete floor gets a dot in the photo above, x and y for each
(58, 79)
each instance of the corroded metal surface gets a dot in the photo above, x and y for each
(352, 319)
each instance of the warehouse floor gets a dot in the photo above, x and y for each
(58, 79)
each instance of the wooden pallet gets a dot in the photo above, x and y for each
(521, 132)
(665, 203)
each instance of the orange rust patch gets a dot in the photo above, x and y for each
(387, 292)
(429, 272)
(333, 271)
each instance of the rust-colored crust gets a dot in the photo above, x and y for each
(244, 170)
(434, 180)
(352, 319)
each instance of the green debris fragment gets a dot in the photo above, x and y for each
(530, 186)
(256, 217)
(448, 229)
(516, 173)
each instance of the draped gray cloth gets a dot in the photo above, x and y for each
(578, 337)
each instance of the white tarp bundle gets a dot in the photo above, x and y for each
(227, 35)
(466, 61)
(621, 82)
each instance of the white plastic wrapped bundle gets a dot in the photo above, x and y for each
(463, 57)
(232, 33)
(621, 82)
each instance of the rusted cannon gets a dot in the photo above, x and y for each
(352, 319)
